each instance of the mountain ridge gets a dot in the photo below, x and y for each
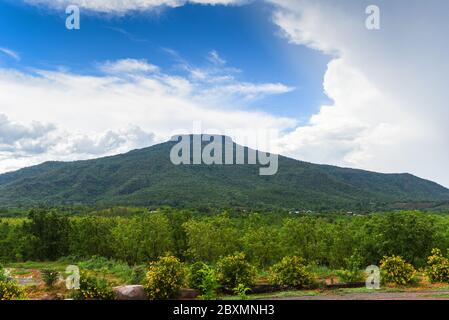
(146, 177)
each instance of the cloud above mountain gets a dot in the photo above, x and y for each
(126, 104)
(389, 110)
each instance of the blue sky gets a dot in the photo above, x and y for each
(244, 36)
(331, 89)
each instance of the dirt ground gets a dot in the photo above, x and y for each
(412, 295)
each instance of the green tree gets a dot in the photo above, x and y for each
(49, 232)
(143, 238)
(211, 238)
(92, 236)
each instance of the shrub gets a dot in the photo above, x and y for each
(395, 270)
(291, 271)
(131, 275)
(438, 270)
(209, 283)
(234, 270)
(93, 288)
(50, 277)
(164, 278)
(3, 276)
(9, 290)
(138, 274)
(195, 275)
(242, 291)
(353, 272)
(204, 278)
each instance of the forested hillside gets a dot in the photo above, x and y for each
(146, 177)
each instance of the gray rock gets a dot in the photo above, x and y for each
(133, 292)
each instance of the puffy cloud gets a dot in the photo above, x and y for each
(109, 142)
(37, 141)
(11, 132)
(388, 87)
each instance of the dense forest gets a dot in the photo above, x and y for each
(139, 236)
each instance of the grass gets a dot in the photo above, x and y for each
(274, 295)
(39, 265)
(438, 295)
(119, 273)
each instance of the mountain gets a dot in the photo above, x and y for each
(146, 177)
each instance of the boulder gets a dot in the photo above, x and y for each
(188, 294)
(133, 292)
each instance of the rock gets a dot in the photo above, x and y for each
(187, 294)
(49, 296)
(133, 292)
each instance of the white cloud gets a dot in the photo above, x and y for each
(124, 6)
(215, 58)
(11, 133)
(250, 91)
(219, 82)
(128, 66)
(389, 86)
(10, 53)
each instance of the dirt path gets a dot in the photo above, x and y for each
(414, 295)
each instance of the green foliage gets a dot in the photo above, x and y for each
(3, 276)
(211, 238)
(204, 278)
(9, 290)
(164, 278)
(49, 233)
(353, 271)
(291, 271)
(438, 270)
(143, 238)
(93, 288)
(123, 240)
(407, 234)
(234, 270)
(91, 235)
(15, 243)
(195, 274)
(395, 270)
(50, 277)
(307, 237)
(261, 241)
(128, 274)
(242, 291)
(147, 177)
(209, 283)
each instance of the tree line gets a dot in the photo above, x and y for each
(264, 238)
